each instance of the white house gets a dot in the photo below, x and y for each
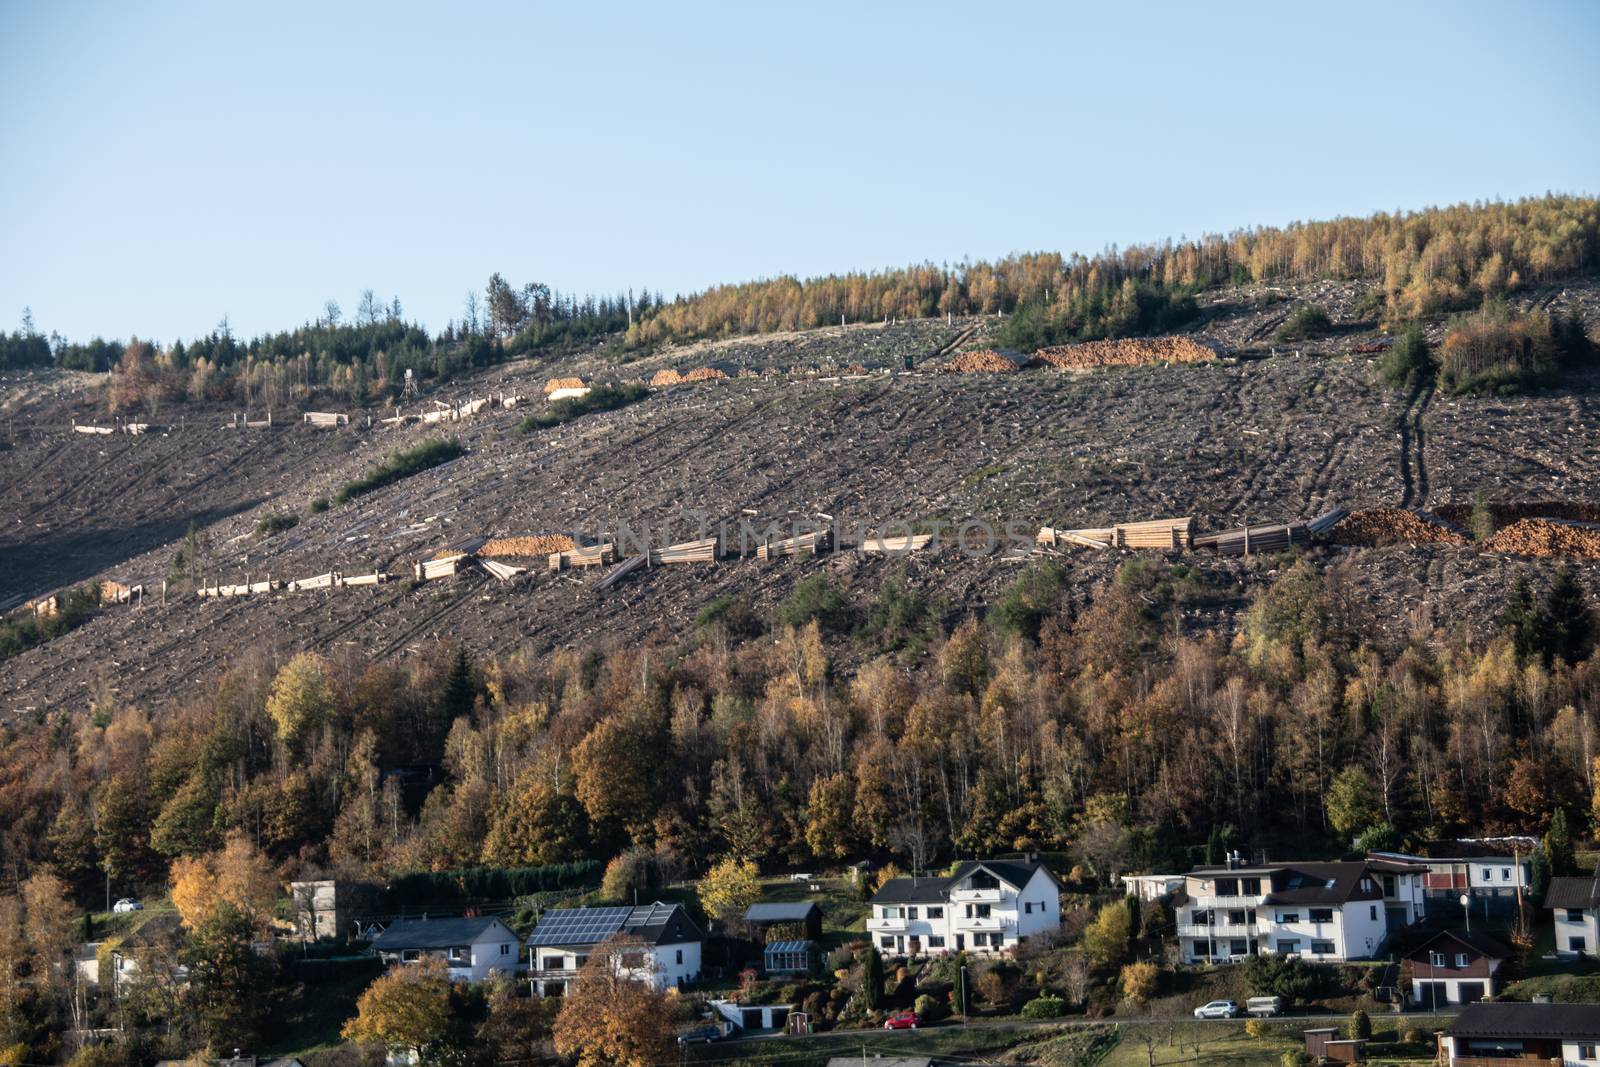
(1150, 888)
(984, 906)
(1491, 871)
(564, 939)
(1575, 904)
(1503, 1031)
(1322, 911)
(1455, 967)
(471, 947)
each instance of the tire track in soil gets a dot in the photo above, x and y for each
(1405, 424)
(1419, 437)
(466, 594)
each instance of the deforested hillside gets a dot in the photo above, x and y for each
(825, 427)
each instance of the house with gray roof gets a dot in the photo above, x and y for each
(471, 946)
(1575, 906)
(805, 914)
(566, 937)
(1502, 1032)
(982, 906)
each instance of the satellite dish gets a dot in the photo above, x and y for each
(1465, 900)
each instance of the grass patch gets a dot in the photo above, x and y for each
(600, 398)
(943, 1040)
(816, 598)
(983, 474)
(1305, 322)
(277, 523)
(1201, 1043)
(25, 630)
(1562, 988)
(402, 465)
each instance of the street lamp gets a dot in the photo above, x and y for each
(1466, 906)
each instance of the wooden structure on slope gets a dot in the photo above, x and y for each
(1171, 535)
(806, 544)
(325, 420)
(705, 550)
(894, 545)
(601, 555)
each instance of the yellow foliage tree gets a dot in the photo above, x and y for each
(729, 888)
(240, 875)
(1139, 981)
(301, 698)
(611, 1017)
(405, 1010)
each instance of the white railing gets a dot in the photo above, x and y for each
(978, 896)
(896, 924)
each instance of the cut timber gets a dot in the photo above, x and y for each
(806, 544)
(665, 376)
(105, 430)
(325, 420)
(620, 571)
(703, 551)
(503, 571)
(1384, 525)
(1547, 537)
(892, 545)
(584, 556)
(1326, 521)
(1165, 534)
(135, 427)
(428, 570)
(564, 385)
(1126, 353)
(377, 578)
(526, 545)
(320, 581)
(1248, 539)
(990, 361)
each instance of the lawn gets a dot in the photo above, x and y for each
(948, 1041)
(1219, 1043)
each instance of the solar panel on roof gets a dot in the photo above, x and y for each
(578, 926)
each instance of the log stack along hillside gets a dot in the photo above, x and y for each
(1131, 352)
(513, 546)
(988, 361)
(1171, 534)
(1377, 527)
(1547, 537)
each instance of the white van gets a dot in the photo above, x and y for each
(1261, 1007)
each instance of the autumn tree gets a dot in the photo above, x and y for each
(535, 824)
(408, 1010)
(1105, 941)
(1139, 981)
(229, 981)
(49, 926)
(1352, 803)
(728, 889)
(301, 698)
(611, 1016)
(239, 876)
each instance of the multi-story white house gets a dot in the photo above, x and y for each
(1322, 911)
(470, 947)
(564, 939)
(1575, 904)
(1491, 871)
(985, 906)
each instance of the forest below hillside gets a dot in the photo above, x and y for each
(1423, 263)
(1097, 732)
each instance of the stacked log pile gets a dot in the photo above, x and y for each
(702, 551)
(806, 544)
(1131, 352)
(583, 556)
(526, 545)
(988, 361)
(325, 420)
(1575, 510)
(1246, 540)
(243, 589)
(621, 571)
(102, 430)
(705, 374)
(1376, 527)
(428, 570)
(503, 571)
(664, 377)
(1172, 534)
(558, 384)
(895, 545)
(1547, 537)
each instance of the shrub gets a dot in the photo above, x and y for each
(1494, 352)
(733, 612)
(600, 398)
(1044, 1006)
(24, 630)
(1270, 974)
(816, 598)
(1256, 1028)
(1296, 1057)
(929, 1008)
(1409, 362)
(1414, 1035)
(401, 465)
(1139, 981)
(1359, 1026)
(276, 523)
(1028, 601)
(1306, 321)
(319, 505)
(902, 618)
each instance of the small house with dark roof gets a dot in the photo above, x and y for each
(470, 946)
(1575, 906)
(1327, 912)
(565, 938)
(1490, 871)
(803, 914)
(982, 906)
(1498, 1032)
(1455, 967)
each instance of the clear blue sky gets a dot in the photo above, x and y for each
(165, 165)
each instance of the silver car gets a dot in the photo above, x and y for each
(1217, 1009)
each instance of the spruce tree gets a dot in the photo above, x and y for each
(1519, 618)
(872, 980)
(459, 688)
(1558, 846)
(1566, 620)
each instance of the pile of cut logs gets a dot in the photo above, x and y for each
(702, 551)
(526, 545)
(583, 556)
(806, 544)
(1170, 534)
(895, 545)
(988, 360)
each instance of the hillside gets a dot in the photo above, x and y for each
(1274, 433)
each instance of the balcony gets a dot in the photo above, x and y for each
(1217, 930)
(892, 926)
(1253, 901)
(978, 896)
(986, 923)
(553, 974)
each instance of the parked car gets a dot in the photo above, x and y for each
(701, 1035)
(1217, 1009)
(125, 905)
(1261, 1007)
(905, 1020)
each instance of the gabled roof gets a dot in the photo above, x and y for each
(1313, 883)
(655, 924)
(1569, 892)
(925, 890)
(1510, 1019)
(935, 890)
(1481, 943)
(1014, 873)
(775, 912)
(435, 933)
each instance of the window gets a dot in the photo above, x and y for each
(1201, 917)
(1366, 885)
(1250, 887)
(1388, 885)
(1488, 874)
(935, 941)
(680, 957)
(1288, 916)
(977, 911)
(935, 913)
(1505, 874)
(983, 880)
(1461, 959)
(891, 913)
(1027, 907)
(1322, 948)
(1574, 915)
(911, 913)
(505, 949)
(1289, 946)
(886, 942)
(1227, 887)
(410, 955)
(551, 963)
(1588, 1050)
(1436, 959)
(1372, 912)
(1321, 915)
(1577, 944)
(1236, 918)
(460, 954)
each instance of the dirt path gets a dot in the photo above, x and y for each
(1413, 462)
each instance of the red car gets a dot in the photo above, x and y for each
(905, 1020)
